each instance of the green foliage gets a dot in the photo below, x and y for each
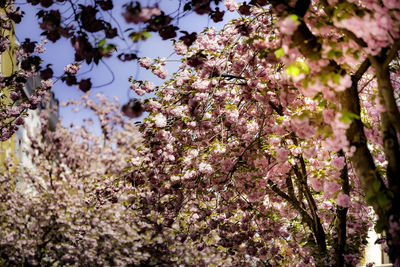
(139, 36)
(294, 17)
(279, 53)
(292, 70)
(348, 116)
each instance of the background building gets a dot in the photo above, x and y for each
(8, 66)
(32, 123)
(374, 252)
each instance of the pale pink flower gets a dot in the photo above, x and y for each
(205, 168)
(148, 86)
(193, 153)
(40, 48)
(34, 99)
(392, 4)
(153, 105)
(145, 62)
(343, 200)
(47, 84)
(178, 111)
(219, 149)
(182, 77)
(160, 72)
(162, 61)
(288, 25)
(330, 188)
(252, 127)
(14, 111)
(180, 48)
(328, 115)
(379, 106)
(326, 205)
(231, 5)
(160, 120)
(72, 68)
(138, 90)
(232, 116)
(316, 184)
(147, 12)
(302, 127)
(338, 162)
(310, 152)
(344, 83)
(282, 154)
(175, 178)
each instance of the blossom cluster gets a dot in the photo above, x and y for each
(76, 204)
(235, 128)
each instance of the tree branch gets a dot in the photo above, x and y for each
(295, 204)
(386, 90)
(361, 159)
(289, 185)
(370, 180)
(318, 230)
(391, 54)
(390, 119)
(341, 214)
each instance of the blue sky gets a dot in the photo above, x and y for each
(60, 54)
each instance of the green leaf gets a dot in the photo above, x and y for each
(139, 36)
(110, 48)
(304, 114)
(265, 146)
(383, 201)
(323, 103)
(101, 43)
(338, 54)
(294, 17)
(229, 106)
(370, 197)
(305, 83)
(336, 78)
(293, 70)
(279, 53)
(348, 116)
(304, 67)
(376, 185)
(146, 34)
(331, 54)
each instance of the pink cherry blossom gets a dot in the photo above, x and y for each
(330, 188)
(338, 162)
(160, 120)
(288, 25)
(160, 72)
(231, 5)
(72, 68)
(316, 184)
(282, 154)
(343, 200)
(145, 62)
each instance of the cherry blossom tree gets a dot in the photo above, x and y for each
(76, 206)
(265, 148)
(99, 200)
(285, 115)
